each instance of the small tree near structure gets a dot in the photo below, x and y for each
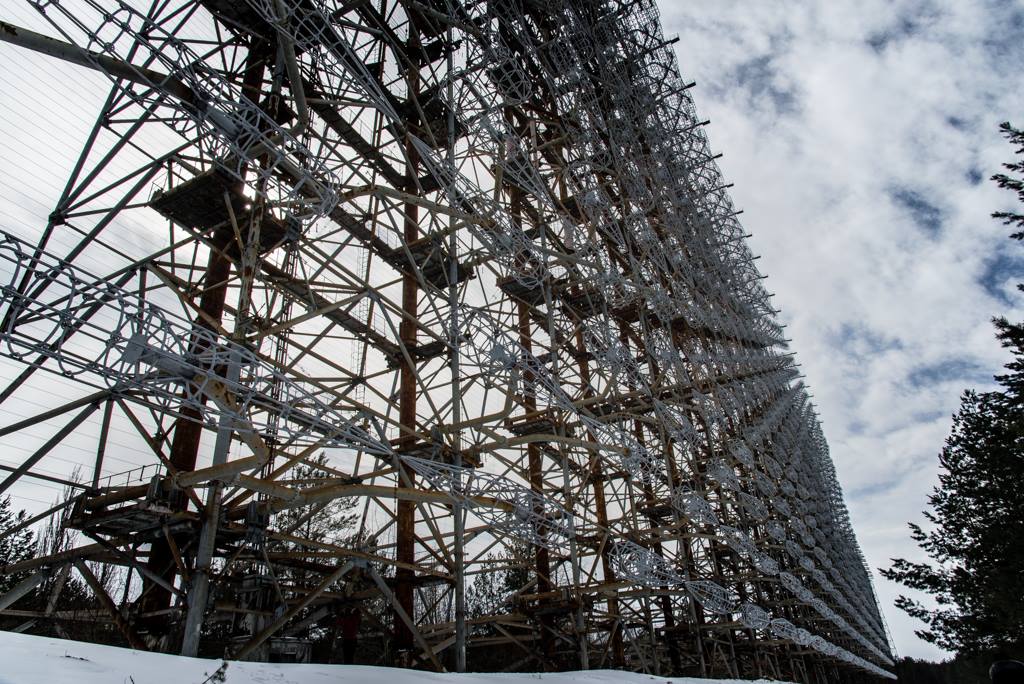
(16, 547)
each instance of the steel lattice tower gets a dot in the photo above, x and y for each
(468, 267)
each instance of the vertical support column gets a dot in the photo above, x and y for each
(101, 447)
(535, 464)
(580, 617)
(696, 614)
(665, 600)
(199, 591)
(597, 479)
(187, 434)
(187, 429)
(453, 341)
(405, 515)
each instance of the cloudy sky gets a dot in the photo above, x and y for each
(860, 135)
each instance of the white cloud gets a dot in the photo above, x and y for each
(860, 137)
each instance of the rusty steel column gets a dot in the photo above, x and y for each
(534, 456)
(535, 462)
(188, 429)
(405, 514)
(597, 478)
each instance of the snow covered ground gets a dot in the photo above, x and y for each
(40, 660)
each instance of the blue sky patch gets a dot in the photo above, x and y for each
(925, 214)
(759, 77)
(999, 268)
(906, 26)
(857, 340)
(1003, 42)
(957, 123)
(944, 371)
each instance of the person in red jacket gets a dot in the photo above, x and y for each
(347, 622)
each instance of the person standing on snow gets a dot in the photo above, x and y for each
(347, 623)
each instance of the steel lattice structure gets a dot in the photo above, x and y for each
(480, 256)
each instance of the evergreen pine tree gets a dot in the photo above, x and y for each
(1014, 184)
(977, 544)
(494, 590)
(330, 522)
(15, 547)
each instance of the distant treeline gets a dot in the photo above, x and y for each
(959, 670)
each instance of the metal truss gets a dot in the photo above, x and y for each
(473, 265)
